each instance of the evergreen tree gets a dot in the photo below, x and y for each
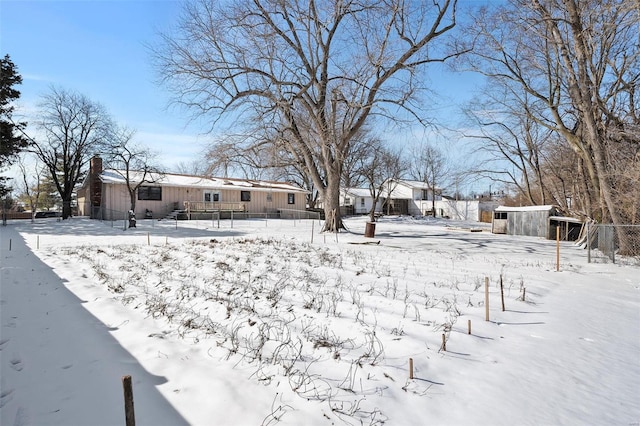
(10, 142)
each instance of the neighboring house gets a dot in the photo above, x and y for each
(104, 195)
(357, 201)
(534, 221)
(414, 198)
(408, 197)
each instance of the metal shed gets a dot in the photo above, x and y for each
(533, 221)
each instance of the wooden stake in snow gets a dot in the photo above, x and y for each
(486, 298)
(444, 342)
(557, 249)
(38, 242)
(9, 244)
(148, 239)
(129, 414)
(468, 326)
(411, 368)
(524, 293)
(502, 292)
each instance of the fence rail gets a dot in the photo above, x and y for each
(210, 206)
(613, 243)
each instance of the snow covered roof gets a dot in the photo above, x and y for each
(190, 181)
(358, 192)
(524, 208)
(414, 184)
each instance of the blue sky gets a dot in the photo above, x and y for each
(99, 48)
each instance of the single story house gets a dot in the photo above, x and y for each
(534, 221)
(104, 195)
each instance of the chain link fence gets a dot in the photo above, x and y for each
(614, 243)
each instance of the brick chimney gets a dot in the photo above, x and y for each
(95, 185)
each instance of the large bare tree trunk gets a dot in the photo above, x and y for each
(583, 92)
(311, 73)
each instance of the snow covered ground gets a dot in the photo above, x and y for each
(271, 322)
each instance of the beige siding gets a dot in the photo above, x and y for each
(83, 202)
(260, 202)
(116, 200)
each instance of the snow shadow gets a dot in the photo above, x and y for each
(60, 365)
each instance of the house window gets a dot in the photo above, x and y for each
(425, 194)
(499, 215)
(211, 197)
(362, 202)
(245, 195)
(150, 193)
(291, 198)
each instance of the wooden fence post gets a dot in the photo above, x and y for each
(129, 414)
(558, 249)
(468, 326)
(486, 298)
(411, 368)
(502, 292)
(444, 342)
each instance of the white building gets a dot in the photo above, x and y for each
(407, 197)
(357, 201)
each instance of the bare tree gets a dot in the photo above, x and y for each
(379, 167)
(364, 148)
(74, 129)
(578, 61)
(314, 71)
(31, 185)
(195, 167)
(429, 165)
(133, 162)
(246, 160)
(510, 140)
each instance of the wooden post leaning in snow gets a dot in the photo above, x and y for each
(486, 298)
(557, 249)
(411, 368)
(444, 342)
(129, 413)
(468, 326)
(502, 292)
